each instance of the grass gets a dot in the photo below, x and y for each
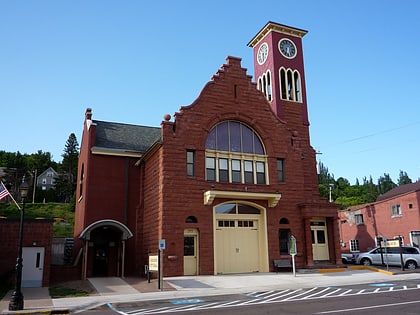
(64, 211)
(61, 292)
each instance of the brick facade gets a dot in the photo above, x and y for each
(379, 221)
(152, 195)
(37, 233)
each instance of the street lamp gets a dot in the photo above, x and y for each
(330, 189)
(16, 302)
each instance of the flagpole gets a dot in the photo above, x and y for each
(10, 195)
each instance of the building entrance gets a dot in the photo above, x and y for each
(319, 240)
(239, 244)
(190, 252)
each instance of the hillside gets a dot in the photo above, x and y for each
(62, 213)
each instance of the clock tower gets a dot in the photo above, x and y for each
(279, 71)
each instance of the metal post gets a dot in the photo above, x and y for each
(16, 301)
(159, 270)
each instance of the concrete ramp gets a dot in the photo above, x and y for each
(112, 286)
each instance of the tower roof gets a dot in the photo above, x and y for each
(276, 27)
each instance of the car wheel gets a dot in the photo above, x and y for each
(366, 262)
(344, 261)
(411, 264)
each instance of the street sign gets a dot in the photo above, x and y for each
(292, 246)
(162, 244)
(153, 263)
(391, 243)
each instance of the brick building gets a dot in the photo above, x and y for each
(395, 214)
(36, 251)
(225, 183)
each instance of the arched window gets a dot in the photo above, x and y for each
(191, 219)
(264, 85)
(235, 154)
(284, 221)
(82, 178)
(290, 85)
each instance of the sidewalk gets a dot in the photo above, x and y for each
(117, 290)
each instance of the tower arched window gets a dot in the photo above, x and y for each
(235, 154)
(296, 77)
(290, 85)
(264, 85)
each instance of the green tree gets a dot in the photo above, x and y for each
(403, 179)
(385, 184)
(66, 184)
(325, 179)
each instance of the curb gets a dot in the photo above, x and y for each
(332, 270)
(390, 273)
(40, 312)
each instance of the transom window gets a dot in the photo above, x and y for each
(236, 208)
(235, 154)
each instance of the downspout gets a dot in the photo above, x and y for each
(127, 164)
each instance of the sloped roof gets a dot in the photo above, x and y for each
(400, 190)
(125, 137)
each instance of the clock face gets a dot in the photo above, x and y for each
(287, 48)
(262, 53)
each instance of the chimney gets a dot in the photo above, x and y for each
(88, 114)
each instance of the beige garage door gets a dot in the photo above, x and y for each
(237, 246)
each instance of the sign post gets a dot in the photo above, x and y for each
(293, 252)
(162, 246)
(153, 265)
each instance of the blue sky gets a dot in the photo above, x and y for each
(134, 61)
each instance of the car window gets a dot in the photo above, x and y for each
(410, 250)
(376, 251)
(393, 250)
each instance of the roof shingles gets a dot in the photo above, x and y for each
(125, 137)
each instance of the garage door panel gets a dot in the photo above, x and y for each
(237, 249)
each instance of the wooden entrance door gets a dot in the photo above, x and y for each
(190, 252)
(319, 240)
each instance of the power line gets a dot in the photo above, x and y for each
(377, 133)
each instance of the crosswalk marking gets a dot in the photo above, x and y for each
(255, 298)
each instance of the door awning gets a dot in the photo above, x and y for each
(271, 198)
(126, 233)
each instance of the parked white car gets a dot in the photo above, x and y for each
(391, 256)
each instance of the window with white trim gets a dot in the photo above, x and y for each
(396, 210)
(290, 85)
(264, 85)
(354, 245)
(235, 154)
(190, 163)
(358, 218)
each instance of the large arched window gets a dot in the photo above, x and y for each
(235, 154)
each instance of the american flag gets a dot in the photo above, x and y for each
(3, 191)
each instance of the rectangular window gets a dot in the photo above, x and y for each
(249, 172)
(396, 210)
(354, 246)
(210, 169)
(358, 218)
(260, 166)
(223, 170)
(284, 236)
(190, 163)
(236, 171)
(280, 173)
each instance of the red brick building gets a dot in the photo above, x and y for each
(36, 251)
(395, 214)
(225, 183)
